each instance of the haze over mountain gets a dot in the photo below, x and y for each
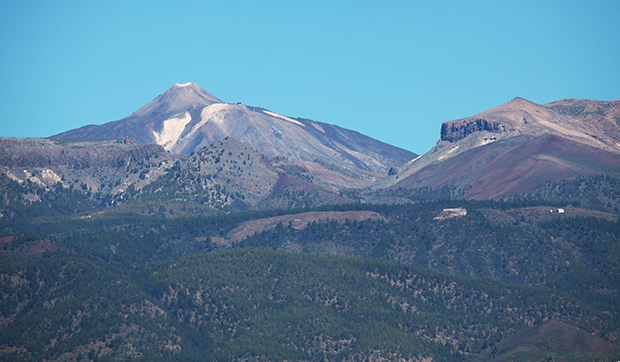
(186, 118)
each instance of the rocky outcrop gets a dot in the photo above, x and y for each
(40, 152)
(457, 130)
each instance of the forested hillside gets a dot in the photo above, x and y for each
(257, 304)
(443, 280)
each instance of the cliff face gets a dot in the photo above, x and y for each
(455, 131)
(40, 152)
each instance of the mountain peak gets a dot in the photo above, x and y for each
(178, 98)
(191, 89)
(188, 87)
(188, 84)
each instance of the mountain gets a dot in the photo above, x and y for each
(114, 250)
(187, 118)
(518, 147)
(159, 122)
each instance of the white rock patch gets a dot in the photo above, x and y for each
(171, 130)
(272, 114)
(450, 213)
(448, 153)
(214, 113)
(50, 176)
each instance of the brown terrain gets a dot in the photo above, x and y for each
(519, 146)
(297, 221)
(14, 245)
(332, 177)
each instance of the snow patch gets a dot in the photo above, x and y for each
(272, 114)
(415, 159)
(171, 130)
(178, 85)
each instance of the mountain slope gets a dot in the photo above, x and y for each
(186, 118)
(514, 166)
(225, 175)
(518, 147)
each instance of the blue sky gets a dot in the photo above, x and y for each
(394, 70)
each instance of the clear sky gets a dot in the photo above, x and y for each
(393, 70)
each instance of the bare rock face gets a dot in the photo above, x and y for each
(452, 132)
(186, 118)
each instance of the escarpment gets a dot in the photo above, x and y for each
(457, 130)
(29, 152)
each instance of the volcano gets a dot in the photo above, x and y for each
(186, 118)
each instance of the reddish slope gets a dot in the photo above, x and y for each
(515, 165)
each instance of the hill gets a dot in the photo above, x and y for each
(259, 305)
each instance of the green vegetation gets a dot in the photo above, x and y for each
(158, 280)
(29, 200)
(595, 192)
(261, 305)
